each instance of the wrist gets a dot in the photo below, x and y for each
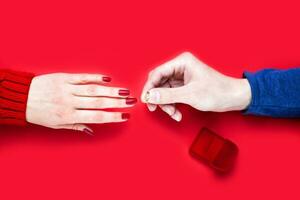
(240, 94)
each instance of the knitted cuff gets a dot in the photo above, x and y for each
(14, 88)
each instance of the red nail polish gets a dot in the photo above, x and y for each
(106, 79)
(131, 101)
(124, 92)
(125, 115)
(87, 131)
(215, 150)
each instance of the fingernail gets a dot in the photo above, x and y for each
(89, 132)
(176, 117)
(106, 79)
(125, 115)
(124, 92)
(153, 97)
(151, 107)
(131, 101)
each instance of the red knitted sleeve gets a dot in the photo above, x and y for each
(14, 88)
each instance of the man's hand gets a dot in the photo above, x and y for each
(187, 80)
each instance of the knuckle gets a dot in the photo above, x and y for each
(155, 73)
(99, 102)
(99, 117)
(83, 79)
(91, 89)
(150, 73)
(187, 54)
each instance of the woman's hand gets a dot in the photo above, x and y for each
(71, 100)
(187, 80)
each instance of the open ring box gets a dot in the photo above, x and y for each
(215, 150)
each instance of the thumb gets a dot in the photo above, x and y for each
(165, 95)
(78, 127)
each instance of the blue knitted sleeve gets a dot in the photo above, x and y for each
(275, 93)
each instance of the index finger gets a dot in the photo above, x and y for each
(156, 76)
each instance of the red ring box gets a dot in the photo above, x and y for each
(217, 151)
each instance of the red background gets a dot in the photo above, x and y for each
(147, 158)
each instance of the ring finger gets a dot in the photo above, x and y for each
(103, 102)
